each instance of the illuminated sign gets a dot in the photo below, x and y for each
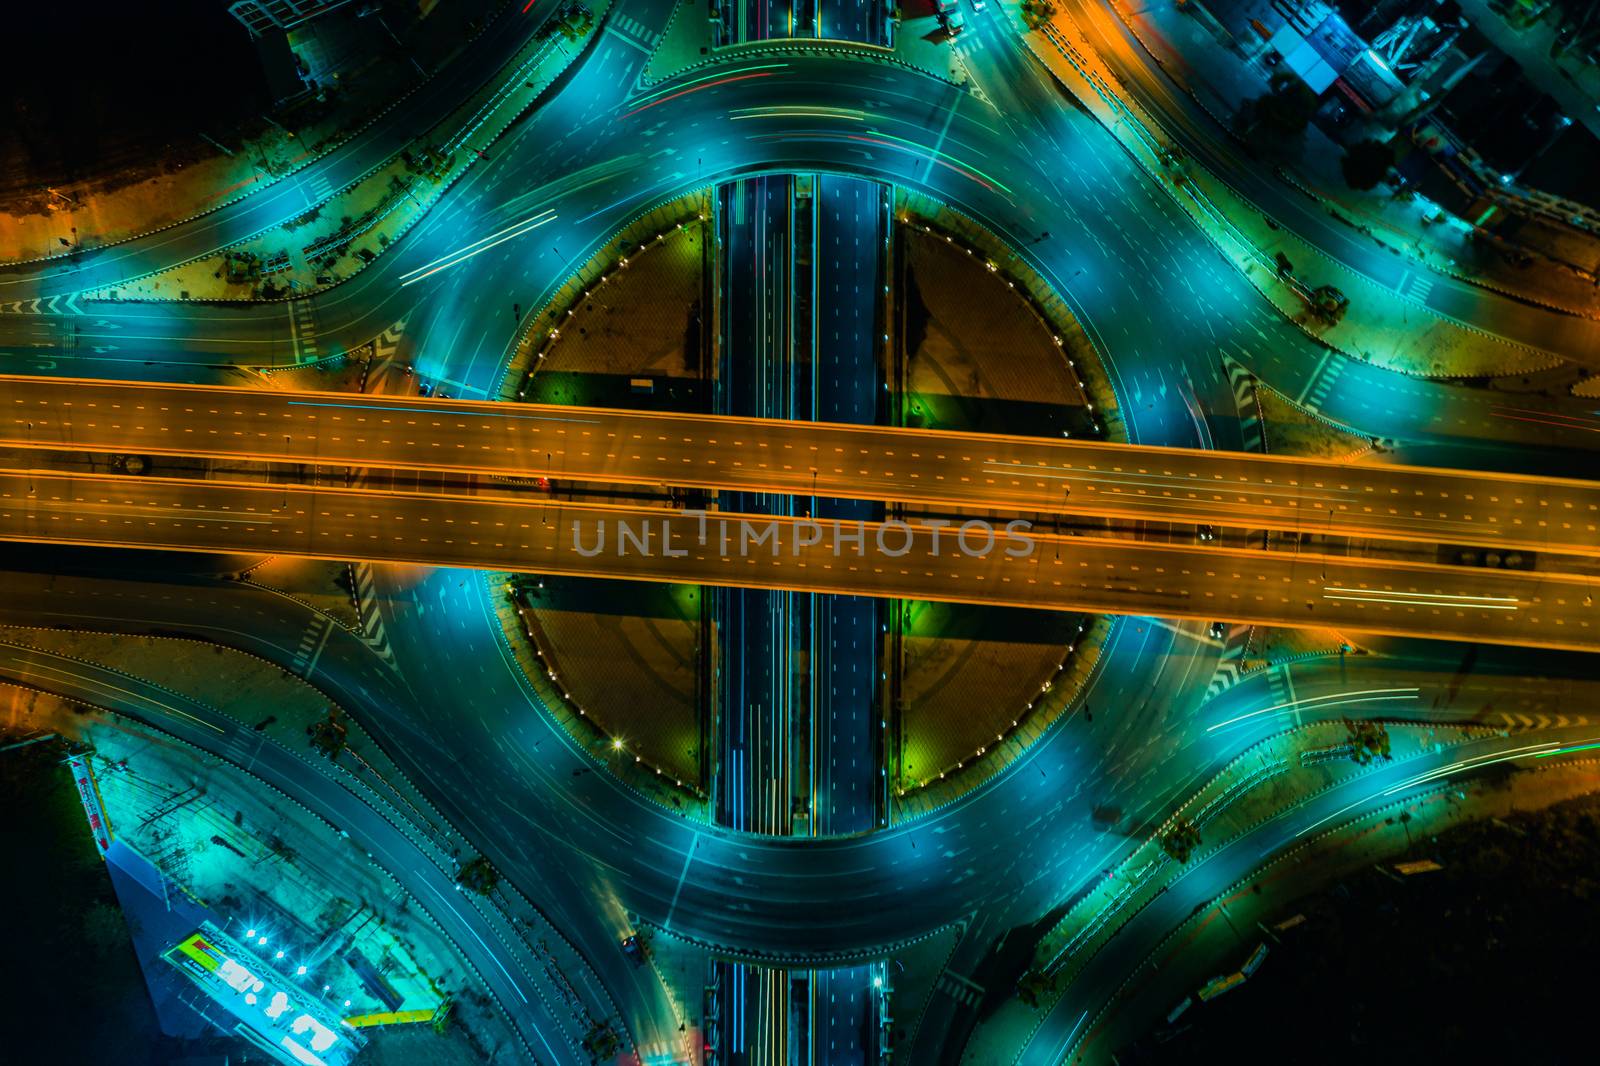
(272, 1013)
(89, 794)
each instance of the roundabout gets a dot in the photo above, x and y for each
(767, 797)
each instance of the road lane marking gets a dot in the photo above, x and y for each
(468, 926)
(94, 683)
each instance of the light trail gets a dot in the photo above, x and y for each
(1333, 699)
(482, 245)
(698, 88)
(1421, 599)
(1475, 763)
(776, 111)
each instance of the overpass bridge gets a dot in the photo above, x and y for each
(959, 471)
(1011, 566)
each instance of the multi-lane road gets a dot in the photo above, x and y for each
(1010, 565)
(1021, 475)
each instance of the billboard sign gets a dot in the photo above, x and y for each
(271, 1011)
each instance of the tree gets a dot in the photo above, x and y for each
(602, 1042)
(573, 21)
(104, 928)
(1181, 840)
(1368, 740)
(329, 734)
(1287, 109)
(1329, 303)
(478, 875)
(1366, 163)
(1036, 13)
(1033, 987)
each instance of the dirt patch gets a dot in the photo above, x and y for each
(629, 655)
(1292, 430)
(977, 359)
(638, 317)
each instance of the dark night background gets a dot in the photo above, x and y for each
(90, 88)
(1491, 959)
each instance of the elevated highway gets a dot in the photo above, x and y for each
(1021, 475)
(910, 560)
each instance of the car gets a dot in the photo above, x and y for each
(944, 7)
(978, 5)
(633, 947)
(425, 389)
(1205, 532)
(954, 22)
(1218, 630)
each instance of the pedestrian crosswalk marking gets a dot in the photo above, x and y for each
(964, 991)
(1320, 392)
(1416, 284)
(303, 330)
(316, 187)
(312, 641)
(632, 31)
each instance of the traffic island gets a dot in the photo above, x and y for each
(624, 686)
(687, 41)
(628, 328)
(1295, 430)
(981, 685)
